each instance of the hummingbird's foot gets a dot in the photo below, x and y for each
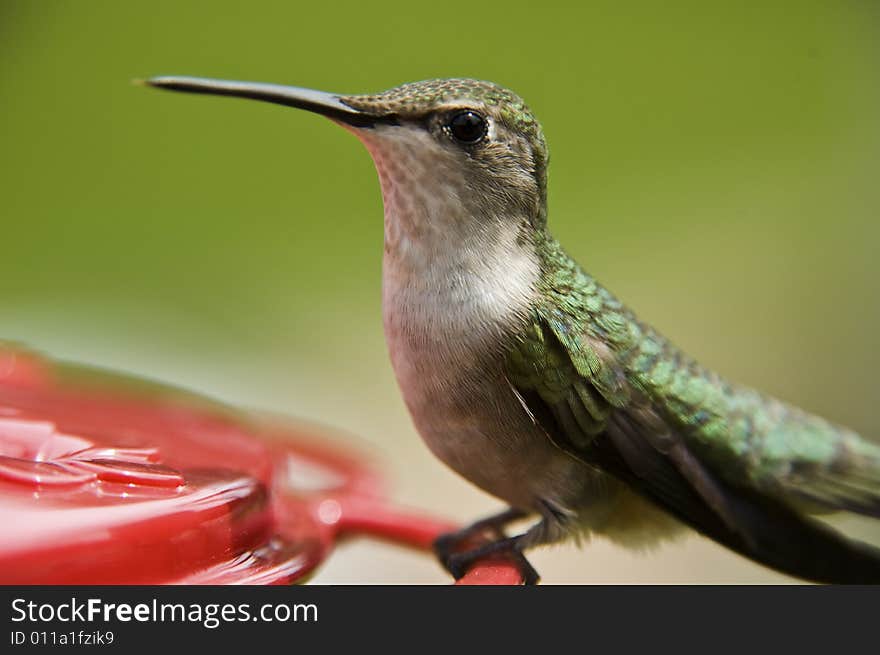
(459, 563)
(447, 544)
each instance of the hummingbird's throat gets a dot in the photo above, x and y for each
(448, 270)
(422, 190)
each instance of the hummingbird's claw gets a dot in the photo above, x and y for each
(459, 550)
(458, 563)
(529, 574)
(448, 549)
(445, 546)
(490, 528)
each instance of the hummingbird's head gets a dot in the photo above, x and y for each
(449, 152)
(459, 137)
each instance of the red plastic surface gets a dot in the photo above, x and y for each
(103, 484)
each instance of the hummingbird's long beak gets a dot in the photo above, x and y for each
(320, 102)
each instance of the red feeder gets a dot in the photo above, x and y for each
(107, 480)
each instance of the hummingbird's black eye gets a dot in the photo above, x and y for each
(467, 126)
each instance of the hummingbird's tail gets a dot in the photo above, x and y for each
(851, 482)
(775, 535)
(802, 546)
(753, 524)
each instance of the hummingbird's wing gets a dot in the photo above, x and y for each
(613, 393)
(624, 435)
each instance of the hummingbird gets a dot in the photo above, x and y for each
(534, 382)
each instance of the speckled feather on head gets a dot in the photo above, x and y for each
(419, 98)
(414, 100)
(534, 382)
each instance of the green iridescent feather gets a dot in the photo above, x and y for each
(589, 358)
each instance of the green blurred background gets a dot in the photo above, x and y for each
(715, 164)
